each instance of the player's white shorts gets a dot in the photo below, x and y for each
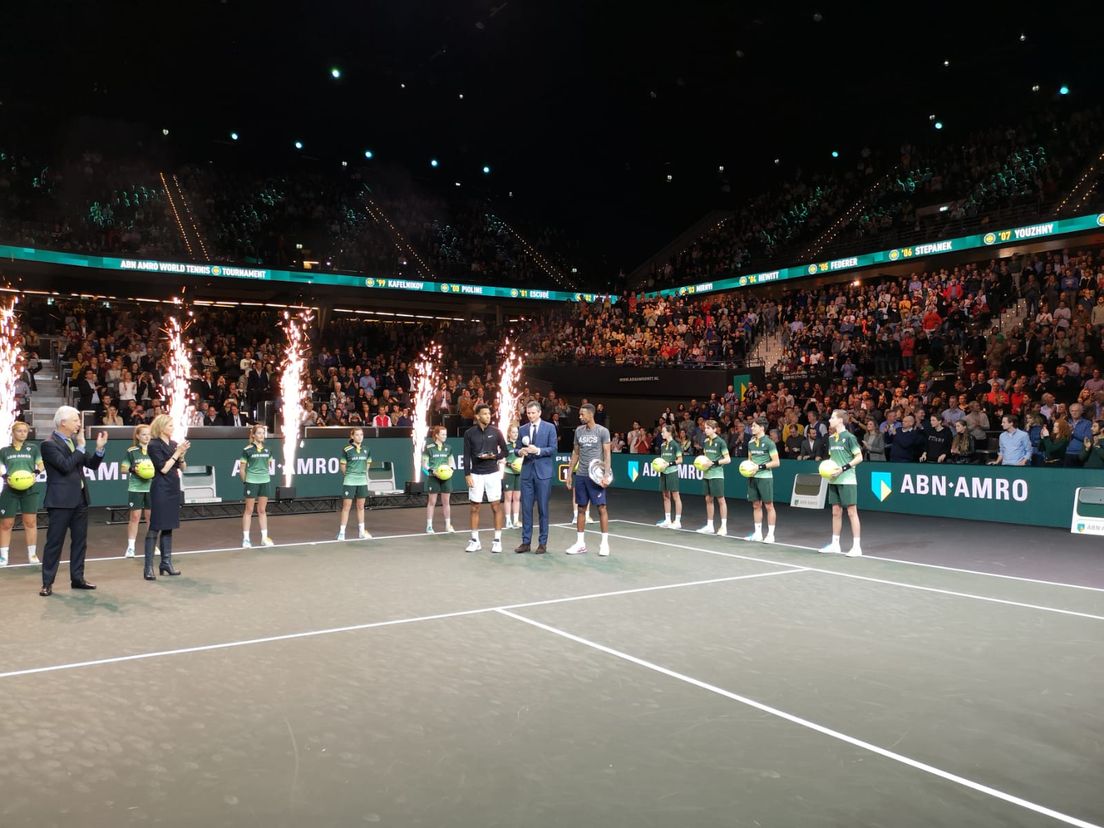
(489, 484)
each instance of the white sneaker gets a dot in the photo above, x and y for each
(341, 536)
(664, 524)
(707, 530)
(589, 519)
(577, 548)
(830, 549)
(722, 532)
(365, 535)
(33, 558)
(128, 554)
(853, 552)
(496, 545)
(754, 537)
(429, 529)
(677, 524)
(448, 528)
(246, 544)
(473, 545)
(603, 550)
(768, 539)
(509, 524)
(267, 541)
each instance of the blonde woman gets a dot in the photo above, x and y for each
(138, 488)
(168, 463)
(20, 456)
(255, 460)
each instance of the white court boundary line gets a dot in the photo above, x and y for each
(899, 561)
(810, 725)
(853, 576)
(226, 645)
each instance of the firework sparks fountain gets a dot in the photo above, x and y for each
(508, 377)
(11, 356)
(175, 387)
(292, 375)
(425, 382)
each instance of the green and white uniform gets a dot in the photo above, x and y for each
(511, 480)
(258, 482)
(672, 453)
(26, 458)
(716, 450)
(842, 448)
(761, 485)
(355, 483)
(137, 489)
(434, 455)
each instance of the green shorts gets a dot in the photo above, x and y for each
(434, 485)
(14, 503)
(843, 495)
(511, 482)
(138, 500)
(760, 488)
(669, 482)
(349, 491)
(260, 490)
(714, 486)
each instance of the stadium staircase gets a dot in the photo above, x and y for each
(46, 400)
(554, 273)
(1075, 200)
(844, 219)
(186, 224)
(405, 248)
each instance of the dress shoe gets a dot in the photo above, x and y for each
(541, 549)
(522, 548)
(46, 590)
(82, 585)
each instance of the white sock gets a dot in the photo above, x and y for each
(582, 535)
(678, 518)
(855, 544)
(130, 544)
(3, 551)
(341, 529)
(835, 540)
(33, 549)
(498, 534)
(475, 536)
(724, 523)
(770, 530)
(361, 525)
(605, 539)
(758, 528)
(245, 536)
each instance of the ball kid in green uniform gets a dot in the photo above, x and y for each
(671, 453)
(511, 481)
(763, 452)
(843, 488)
(254, 472)
(355, 460)
(436, 454)
(20, 456)
(717, 457)
(138, 488)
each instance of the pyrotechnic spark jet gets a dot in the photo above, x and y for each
(175, 385)
(426, 381)
(11, 357)
(292, 374)
(508, 378)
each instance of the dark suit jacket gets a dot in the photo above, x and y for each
(228, 420)
(65, 473)
(542, 465)
(85, 390)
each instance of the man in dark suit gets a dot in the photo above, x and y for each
(67, 496)
(536, 444)
(89, 397)
(211, 417)
(233, 417)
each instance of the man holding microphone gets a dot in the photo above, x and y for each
(537, 445)
(66, 501)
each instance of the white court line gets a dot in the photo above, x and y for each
(806, 723)
(899, 561)
(460, 533)
(226, 645)
(868, 578)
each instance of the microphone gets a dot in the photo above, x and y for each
(525, 440)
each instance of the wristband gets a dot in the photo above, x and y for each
(846, 467)
(762, 467)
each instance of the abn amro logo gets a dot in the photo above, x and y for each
(634, 470)
(881, 484)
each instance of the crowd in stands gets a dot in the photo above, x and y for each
(1023, 165)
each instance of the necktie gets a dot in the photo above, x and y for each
(69, 443)
(532, 432)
